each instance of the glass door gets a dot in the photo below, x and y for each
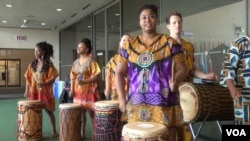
(2, 73)
(10, 72)
(13, 72)
(107, 36)
(113, 30)
(100, 44)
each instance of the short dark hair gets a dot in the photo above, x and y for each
(152, 7)
(87, 42)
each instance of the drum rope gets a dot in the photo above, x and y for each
(107, 124)
(29, 121)
(70, 123)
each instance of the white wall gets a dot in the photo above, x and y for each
(8, 40)
(214, 26)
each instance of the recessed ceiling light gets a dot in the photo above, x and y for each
(43, 23)
(59, 9)
(117, 14)
(89, 26)
(8, 5)
(4, 21)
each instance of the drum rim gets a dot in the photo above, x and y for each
(212, 100)
(155, 131)
(69, 105)
(29, 102)
(198, 101)
(104, 104)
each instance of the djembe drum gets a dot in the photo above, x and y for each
(144, 131)
(107, 121)
(70, 122)
(199, 100)
(29, 121)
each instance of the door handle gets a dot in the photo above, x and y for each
(103, 73)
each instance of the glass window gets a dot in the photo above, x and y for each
(70, 38)
(113, 29)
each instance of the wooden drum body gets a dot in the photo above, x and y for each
(199, 100)
(144, 131)
(29, 120)
(70, 122)
(107, 121)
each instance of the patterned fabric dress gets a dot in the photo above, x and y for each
(149, 72)
(237, 67)
(85, 94)
(44, 94)
(110, 72)
(188, 49)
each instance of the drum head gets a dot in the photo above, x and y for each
(107, 104)
(143, 130)
(69, 105)
(188, 101)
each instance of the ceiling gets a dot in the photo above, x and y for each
(75, 13)
(31, 13)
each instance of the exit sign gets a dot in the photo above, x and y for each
(21, 37)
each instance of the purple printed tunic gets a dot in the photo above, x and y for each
(149, 70)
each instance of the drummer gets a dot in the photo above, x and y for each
(84, 76)
(147, 61)
(110, 90)
(40, 76)
(174, 25)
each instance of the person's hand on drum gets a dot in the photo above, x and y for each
(26, 94)
(71, 93)
(172, 85)
(122, 106)
(39, 86)
(235, 93)
(212, 76)
(107, 94)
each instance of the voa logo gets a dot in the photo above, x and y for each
(236, 132)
